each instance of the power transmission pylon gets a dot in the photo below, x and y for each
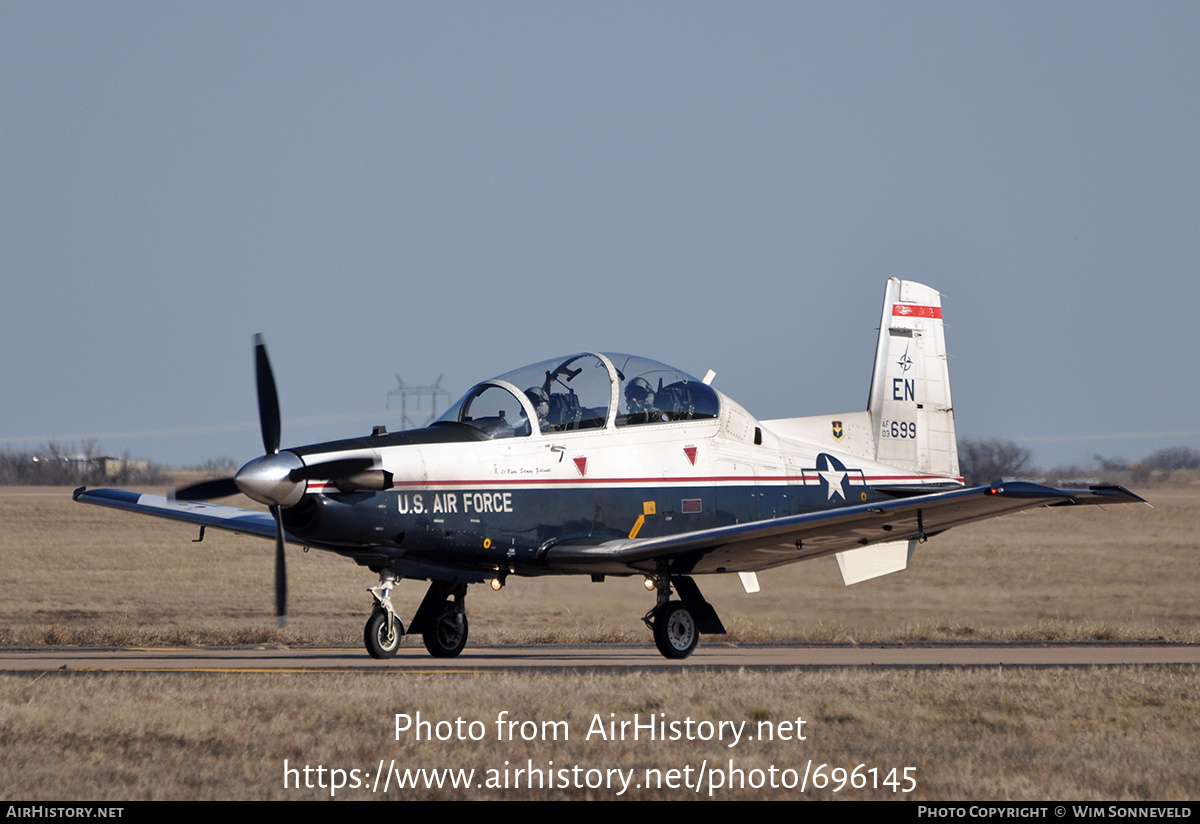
(434, 391)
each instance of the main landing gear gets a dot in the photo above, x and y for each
(677, 624)
(675, 632)
(441, 619)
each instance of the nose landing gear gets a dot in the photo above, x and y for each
(383, 631)
(441, 619)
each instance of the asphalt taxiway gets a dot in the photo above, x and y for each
(595, 657)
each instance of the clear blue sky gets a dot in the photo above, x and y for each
(462, 188)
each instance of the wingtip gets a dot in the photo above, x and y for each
(1116, 491)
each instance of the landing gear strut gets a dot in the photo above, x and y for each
(384, 630)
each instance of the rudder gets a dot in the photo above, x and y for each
(912, 415)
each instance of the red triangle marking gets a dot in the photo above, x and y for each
(581, 465)
(690, 451)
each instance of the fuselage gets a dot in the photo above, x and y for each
(462, 497)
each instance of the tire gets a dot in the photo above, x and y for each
(448, 636)
(675, 632)
(375, 635)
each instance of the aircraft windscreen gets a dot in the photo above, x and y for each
(492, 410)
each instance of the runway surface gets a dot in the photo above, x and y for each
(597, 657)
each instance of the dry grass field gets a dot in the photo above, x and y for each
(82, 575)
(975, 734)
(77, 574)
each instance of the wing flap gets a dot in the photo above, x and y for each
(765, 544)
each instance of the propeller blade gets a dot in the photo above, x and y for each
(280, 570)
(268, 398)
(331, 470)
(371, 480)
(207, 490)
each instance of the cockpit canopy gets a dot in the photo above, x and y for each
(588, 391)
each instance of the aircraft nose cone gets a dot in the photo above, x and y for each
(266, 479)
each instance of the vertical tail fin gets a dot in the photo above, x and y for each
(912, 415)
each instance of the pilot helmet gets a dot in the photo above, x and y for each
(541, 404)
(638, 395)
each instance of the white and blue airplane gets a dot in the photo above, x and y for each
(608, 464)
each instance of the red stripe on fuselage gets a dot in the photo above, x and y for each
(798, 480)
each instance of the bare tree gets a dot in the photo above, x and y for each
(218, 467)
(982, 461)
(1111, 464)
(1174, 457)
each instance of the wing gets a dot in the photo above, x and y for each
(261, 524)
(246, 521)
(764, 544)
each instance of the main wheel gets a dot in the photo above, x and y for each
(675, 632)
(448, 635)
(379, 642)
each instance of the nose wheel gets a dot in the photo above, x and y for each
(383, 630)
(382, 636)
